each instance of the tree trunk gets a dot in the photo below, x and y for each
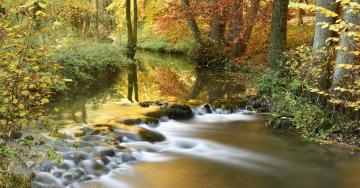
(218, 24)
(278, 32)
(347, 41)
(301, 13)
(97, 20)
(236, 21)
(135, 22)
(322, 34)
(193, 25)
(131, 40)
(243, 41)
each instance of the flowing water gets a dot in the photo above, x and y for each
(219, 149)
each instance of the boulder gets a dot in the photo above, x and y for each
(44, 179)
(126, 157)
(179, 112)
(207, 108)
(151, 136)
(131, 121)
(107, 152)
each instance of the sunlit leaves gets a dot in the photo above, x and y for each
(27, 79)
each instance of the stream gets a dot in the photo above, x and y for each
(217, 148)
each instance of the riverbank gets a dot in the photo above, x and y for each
(74, 68)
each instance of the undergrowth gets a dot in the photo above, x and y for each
(87, 61)
(295, 107)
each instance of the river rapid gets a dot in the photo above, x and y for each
(216, 148)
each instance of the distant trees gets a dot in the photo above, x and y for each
(230, 22)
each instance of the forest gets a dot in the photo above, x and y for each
(182, 93)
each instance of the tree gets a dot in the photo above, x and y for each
(278, 32)
(347, 45)
(131, 29)
(322, 33)
(218, 22)
(242, 41)
(194, 28)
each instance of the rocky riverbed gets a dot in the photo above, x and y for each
(89, 151)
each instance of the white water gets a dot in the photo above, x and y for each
(182, 141)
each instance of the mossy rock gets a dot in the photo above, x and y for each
(151, 136)
(131, 121)
(179, 112)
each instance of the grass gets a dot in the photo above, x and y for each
(161, 44)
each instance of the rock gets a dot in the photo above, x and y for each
(92, 138)
(43, 185)
(107, 152)
(146, 120)
(151, 136)
(120, 147)
(76, 156)
(77, 173)
(161, 103)
(125, 157)
(86, 178)
(207, 108)
(68, 176)
(151, 121)
(83, 144)
(67, 164)
(93, 167)
(131, 121)
(58, 173)
(179, 112)
(44, 178)
(145, 104)
(105, 160)
(131, 136)
(96, 132)
(156, 114)
(86, 129)
(46, 166)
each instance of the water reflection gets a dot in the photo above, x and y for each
(218, 84)
(133, 83)
(151, 77)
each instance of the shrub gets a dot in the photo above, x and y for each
(27, 81)
(86, 62)
(295, 107)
